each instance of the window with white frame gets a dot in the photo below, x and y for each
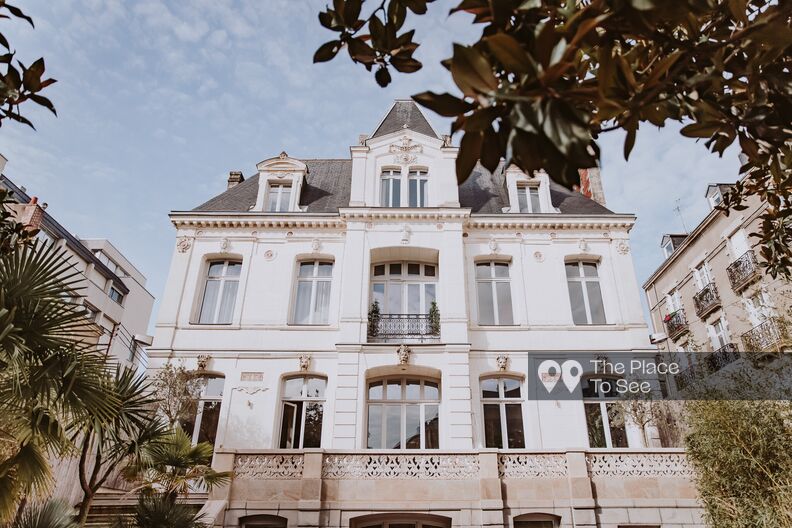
(758, 307)
(585, 294)
(418, 182)
(605, 420)
(302, 405)
(312, 300)
(668, 248)
(278, 197)
(116, 295)
(403, 413)
(673, 301)
(528, 199)
(201, 422)
(503, 419)
(718, 333)
(493, 289)
(702, 275)
(404, 287)
(390, 188)
(220, 291)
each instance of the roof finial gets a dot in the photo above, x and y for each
(283, 155)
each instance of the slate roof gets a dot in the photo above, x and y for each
(405, 113)
(328, 183)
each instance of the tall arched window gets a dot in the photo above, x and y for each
(418, 182)
(201, 420)
(604, 416)
(503, 419)
(390, 188)
(220, 291)
(403, 413)
(302, 401)
(585, 294)
(312, 299)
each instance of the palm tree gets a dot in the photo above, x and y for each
(157, 511)
(50, 374)
(52, 514)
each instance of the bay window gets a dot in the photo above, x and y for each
(585, 295)
(220, 291)
(503, 419)
(302, 410)
(312, 299)
(493, 288)
(403, 413)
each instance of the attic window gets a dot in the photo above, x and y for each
(668, 248)
(715, 197)
(278, 197)
(528, 199)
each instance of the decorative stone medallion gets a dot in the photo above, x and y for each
(183, 245)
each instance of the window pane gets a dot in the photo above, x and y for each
(413, 269)
(489, 388)
(325, 269)
(522, 199)
(596, 429)
(413, 193)
(429, 271)
(379, 270)
(422, 193)
(394, 304)
(393, 391)
(284, 199)
(396, 194)
(393, 426)
(576, 301)
(209, 420)
(227, 304)
(486, 309)
(514, 426)
(375, 390)
(302, 308)
(413, 426)
(595, 303)
(395, 269)
(292, 388)
(413, 390)
(430, 295)
(209, 301)
(272, 204)
(535, 208)
(501, 269)
(432, 426)
(483, 271)
(214, 387)
(375, 426)
(492, 426)
(216, 269)
(316, 387)
(431, 391)
(322, 311)
(414, 298)
(617, 431)
(503, 290)
(378, 294)
(313, 425)
(572, 269)
(287, 426)
(511, 388)
(589, 269)
(306, 269)
(233, 270)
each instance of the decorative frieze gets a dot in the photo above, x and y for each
(520, 466)
(277, 467)
(402, 466)
(639, 465)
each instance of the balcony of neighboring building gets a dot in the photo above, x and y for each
(743, 271)
(709, 364)
(772, 335)
(676, 323)
(706, 300)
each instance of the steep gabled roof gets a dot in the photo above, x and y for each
(405, 114)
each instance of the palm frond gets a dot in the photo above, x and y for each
(51, 514)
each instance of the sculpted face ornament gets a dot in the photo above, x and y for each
(403, 353)
(502, 361)
(203, 361)
(493, 245)
(305, 361)
(316, 245)
(623, 247)
(405, 152)
(225, 245)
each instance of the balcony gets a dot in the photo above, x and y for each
(676, 323)
(710, 364)
(770, 336)
(706, 300)
(743, 271)
(401, 327)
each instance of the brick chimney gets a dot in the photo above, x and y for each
(29, 215)
(591, 185)
(234, 179)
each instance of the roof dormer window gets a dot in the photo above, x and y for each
(528, 199)
(668, 248)
(278, 197)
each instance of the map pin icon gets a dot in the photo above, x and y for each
(549, 373)
(571, 370)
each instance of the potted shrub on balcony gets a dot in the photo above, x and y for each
(374, 319)
(434, 319)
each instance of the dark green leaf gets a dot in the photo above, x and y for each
(468, 156)
(327, 51)
(471, 71)
(444, 104)
(382, 76)
(509, 52)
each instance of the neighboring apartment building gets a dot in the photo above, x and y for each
(710, 294)
(365, 327)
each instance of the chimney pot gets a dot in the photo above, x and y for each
(234, 179)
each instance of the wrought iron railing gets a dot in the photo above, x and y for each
(767, 336)
(676, 323)
(706, 300)
(389, 326)
(743, 270)
(707, 365)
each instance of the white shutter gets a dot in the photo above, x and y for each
(713, 336)
(753, 312)
(739, 244)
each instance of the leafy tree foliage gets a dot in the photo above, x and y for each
(548, 77)
(157, 511)
(176, 391)
(51, 514)
(19, 83)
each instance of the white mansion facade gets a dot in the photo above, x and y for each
(367, 323)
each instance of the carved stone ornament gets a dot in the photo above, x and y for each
(269, 254)
(403, 353)
(203, 361)
(305, 361)
(502, 361)
(316, 245)
(405, 238)
(405, 152)
(538, 256)
(283, 155)
(493, 245)
(183, 245)
(225, 245)
(623, 247)
(583, 245)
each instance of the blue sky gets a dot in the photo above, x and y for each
(158, 100)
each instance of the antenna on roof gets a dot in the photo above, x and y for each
(678, 209)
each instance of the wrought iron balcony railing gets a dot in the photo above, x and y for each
(743, 271)
(706, 300)
(676, 323)
(769, 336)
(708, 365)
(396, 326)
